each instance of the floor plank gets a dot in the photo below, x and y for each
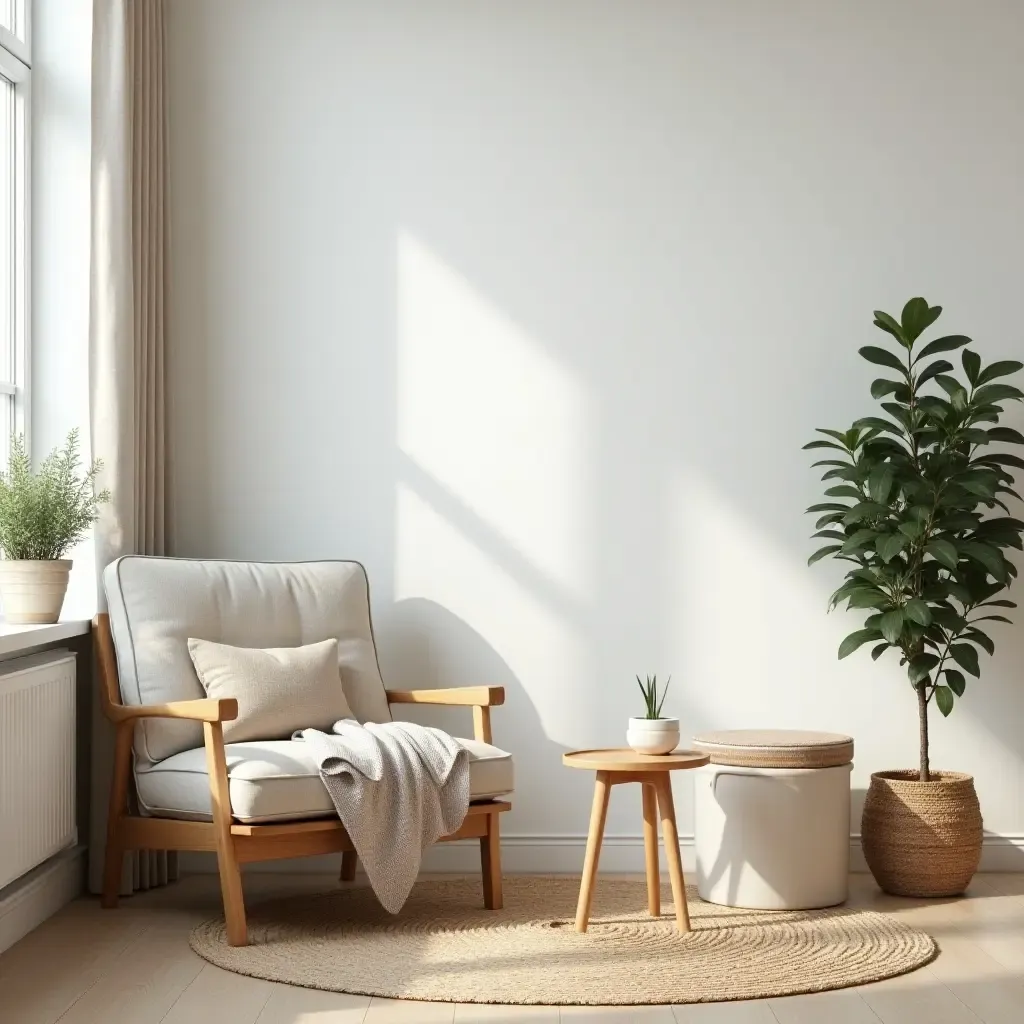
(985, 986)
(916, 998)
(401, 1011)
(742, 1011)
(616, 1015)
(77, 947)
(290, 1005)
(482, 1013)
(1002, 939)
(141, 985)
(220, 997)
(1008, 884)
(843, 1007)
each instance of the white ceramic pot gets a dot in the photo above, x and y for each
(33, 591)
(653, 735)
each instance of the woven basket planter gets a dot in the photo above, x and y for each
(922, 838)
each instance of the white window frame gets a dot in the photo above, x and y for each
(16, 67)
(18, 38)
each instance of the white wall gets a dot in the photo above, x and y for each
(531, 307)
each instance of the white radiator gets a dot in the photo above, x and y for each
(37, 760)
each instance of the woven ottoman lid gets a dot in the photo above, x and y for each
(776, 748)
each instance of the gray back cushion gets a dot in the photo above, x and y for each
(156, 604)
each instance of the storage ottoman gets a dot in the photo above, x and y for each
(772, 818)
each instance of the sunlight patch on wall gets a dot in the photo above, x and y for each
(753, 624)
(436, 562)
(491, 416)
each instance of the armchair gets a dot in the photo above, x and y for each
(261, 800)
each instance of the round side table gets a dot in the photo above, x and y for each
(616, 766)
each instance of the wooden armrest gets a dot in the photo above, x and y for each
(224, 709)
(459, 696)
(205, 709)
(480, 698)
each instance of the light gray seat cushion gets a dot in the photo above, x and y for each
(156, 604)
(277, 780)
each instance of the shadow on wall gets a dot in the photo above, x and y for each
(425, 645)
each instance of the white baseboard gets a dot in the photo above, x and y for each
(554, 854)
(28, 902)
(999, 853)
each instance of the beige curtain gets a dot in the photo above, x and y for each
(128, 326)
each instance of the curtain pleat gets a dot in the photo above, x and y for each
(128, 329)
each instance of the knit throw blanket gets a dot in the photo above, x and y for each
(398, 788)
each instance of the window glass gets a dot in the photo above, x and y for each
(8, 246)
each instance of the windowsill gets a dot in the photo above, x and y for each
(15, 638)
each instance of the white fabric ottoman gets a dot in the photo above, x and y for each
(772, 818)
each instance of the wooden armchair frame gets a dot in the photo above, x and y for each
(236, 844)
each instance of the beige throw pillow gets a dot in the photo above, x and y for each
(278, 689)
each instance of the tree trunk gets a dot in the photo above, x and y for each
(922, 710)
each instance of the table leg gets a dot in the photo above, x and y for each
(671, 837)
(651, 849)
(598, 813)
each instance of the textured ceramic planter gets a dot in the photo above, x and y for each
(653, 735)
(33, 591)
(922, 838)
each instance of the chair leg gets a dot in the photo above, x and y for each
(490, 863)
(227, 861)
(114, 856)
(233, 897)
(349, 860)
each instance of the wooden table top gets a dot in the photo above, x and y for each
(623, 759)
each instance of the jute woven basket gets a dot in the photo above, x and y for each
(922, 838)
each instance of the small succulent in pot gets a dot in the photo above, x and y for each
(653, 734)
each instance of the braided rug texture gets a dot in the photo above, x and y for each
(445, 947)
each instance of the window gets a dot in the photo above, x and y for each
(15, 77)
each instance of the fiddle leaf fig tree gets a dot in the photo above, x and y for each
(916, 503)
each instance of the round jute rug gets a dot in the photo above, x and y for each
(444, 946)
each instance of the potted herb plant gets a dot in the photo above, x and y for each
(915, 504)
(42, 516)
(653, 734)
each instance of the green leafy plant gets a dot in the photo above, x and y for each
(916, 504)
(650, 691)
(44, 514)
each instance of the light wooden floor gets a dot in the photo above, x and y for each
(133, 966)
